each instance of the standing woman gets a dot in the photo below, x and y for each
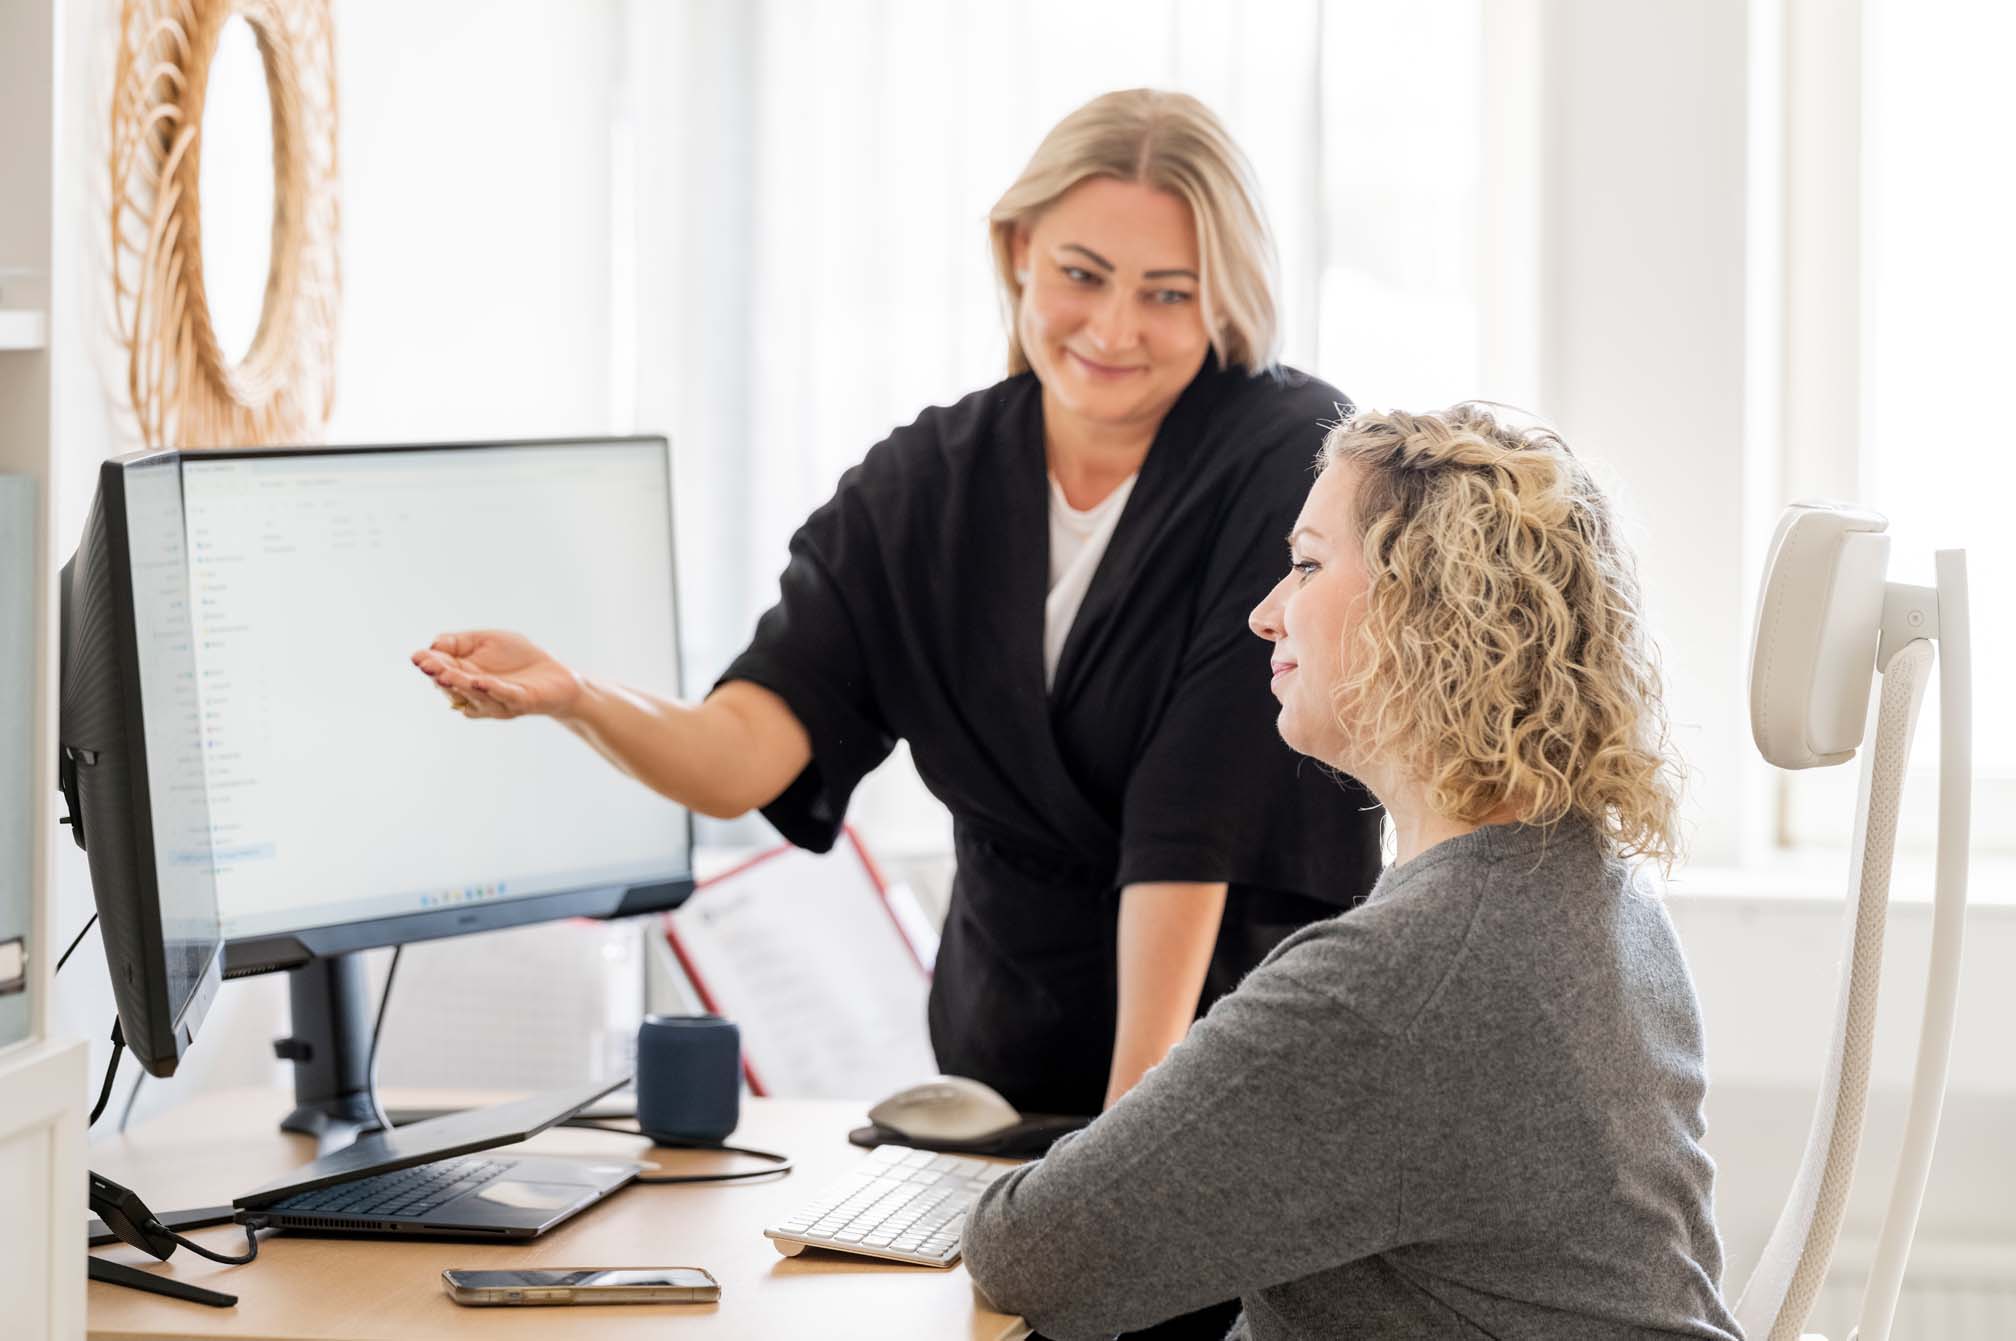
(1043, 588)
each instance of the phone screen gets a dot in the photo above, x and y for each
(686, 1278)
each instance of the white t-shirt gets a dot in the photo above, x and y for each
(1077, 541)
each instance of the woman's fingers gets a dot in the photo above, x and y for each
(487, 694)
(476, 703)
(455, 698)
(474, 697)
(508, 694)
(435, 663)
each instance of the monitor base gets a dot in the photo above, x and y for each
(334, 1124)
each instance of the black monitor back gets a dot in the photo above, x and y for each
(164, 953)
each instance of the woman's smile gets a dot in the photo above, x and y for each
(1093, 368)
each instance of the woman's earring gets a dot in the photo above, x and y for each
(1022, 278)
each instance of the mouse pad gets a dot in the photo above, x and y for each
(1033, 1135)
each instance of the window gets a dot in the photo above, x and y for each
(1939, 287)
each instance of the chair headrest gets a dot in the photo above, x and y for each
(1813, 646)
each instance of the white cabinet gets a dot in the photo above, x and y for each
(22, 328)
(42, 1187)
(42, 1080)
(19, 626)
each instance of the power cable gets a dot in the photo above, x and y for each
(377, 1030)
(74, 944)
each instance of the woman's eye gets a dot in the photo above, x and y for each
(1304, 569)
(1078, 274)
(1170, 297)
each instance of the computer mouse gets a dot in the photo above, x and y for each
(945, 1108)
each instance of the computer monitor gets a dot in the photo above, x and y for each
(348, 806)
(131, 756)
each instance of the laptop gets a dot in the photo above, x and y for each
(432, 1178)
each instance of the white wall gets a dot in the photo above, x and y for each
(476, 212)
(1643, 338)
(476, 218)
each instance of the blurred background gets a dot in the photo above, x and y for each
(1739, 251)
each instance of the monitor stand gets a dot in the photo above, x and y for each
(331, 1051)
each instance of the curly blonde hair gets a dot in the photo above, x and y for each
(1502, 655)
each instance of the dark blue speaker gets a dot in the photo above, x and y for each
(689, 1077)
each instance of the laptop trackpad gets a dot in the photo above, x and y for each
(528, 1196)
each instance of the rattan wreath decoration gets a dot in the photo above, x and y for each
(183, 389)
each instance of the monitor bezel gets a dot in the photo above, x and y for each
(174, 1032)
(273, 951)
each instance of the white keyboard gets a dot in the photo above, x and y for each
(903, 1204)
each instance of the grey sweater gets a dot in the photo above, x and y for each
(1469, 1108)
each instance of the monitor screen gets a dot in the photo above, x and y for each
(342, 787)
(171, 729)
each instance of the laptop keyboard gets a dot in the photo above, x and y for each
(404, 1192)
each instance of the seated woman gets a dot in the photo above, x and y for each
(1472, 1106)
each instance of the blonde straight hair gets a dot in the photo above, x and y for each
(1172, 142)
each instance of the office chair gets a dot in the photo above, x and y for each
(1825, 616)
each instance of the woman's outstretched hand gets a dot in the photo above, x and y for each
(492, 673)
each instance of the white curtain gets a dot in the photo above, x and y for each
(809, 263)
(1939, 278)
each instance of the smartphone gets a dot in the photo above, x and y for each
(583, 1285)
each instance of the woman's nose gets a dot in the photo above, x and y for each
(1265, 620)
(1113, 325)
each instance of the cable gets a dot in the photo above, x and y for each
(132, 1097)
(111, 1070)
(74, 944)
(252, 1228)
(377, 1029)
(782, 1163)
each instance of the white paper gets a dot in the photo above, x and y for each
(802, 953)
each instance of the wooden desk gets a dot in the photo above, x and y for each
(222, 1145)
